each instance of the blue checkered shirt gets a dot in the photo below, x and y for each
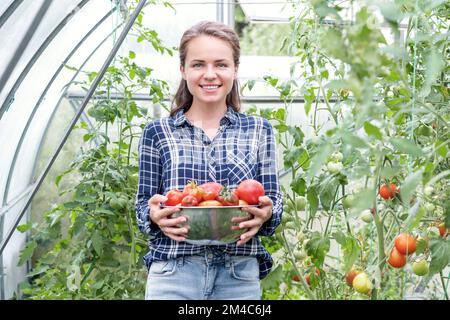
(173, 151)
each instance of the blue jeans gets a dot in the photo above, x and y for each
(215, 276)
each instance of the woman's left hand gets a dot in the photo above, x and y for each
(257, 217)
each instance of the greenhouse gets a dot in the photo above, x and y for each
(348, 193)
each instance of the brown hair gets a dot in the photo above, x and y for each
(183, 98)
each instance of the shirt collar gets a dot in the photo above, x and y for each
(230, 115)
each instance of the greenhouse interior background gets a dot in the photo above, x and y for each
(358, 92)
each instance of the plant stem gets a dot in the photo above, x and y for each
(443, 285)
(301, 279)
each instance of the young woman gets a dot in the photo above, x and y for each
(205, 139)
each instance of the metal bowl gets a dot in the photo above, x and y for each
(212, 225)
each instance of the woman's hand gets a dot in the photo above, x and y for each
(255, 220)
(163, 219)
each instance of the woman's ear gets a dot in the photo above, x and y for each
(183, 74)
(235, 73)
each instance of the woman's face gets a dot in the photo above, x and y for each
(209, 70)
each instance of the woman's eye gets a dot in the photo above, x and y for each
(222, 65)
(197, 65)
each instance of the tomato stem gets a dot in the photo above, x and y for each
(301, 277)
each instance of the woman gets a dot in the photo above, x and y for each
(205, 139)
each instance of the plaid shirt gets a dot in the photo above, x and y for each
(173, 151)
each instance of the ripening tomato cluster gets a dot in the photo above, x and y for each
(405, 245)
(213, 194)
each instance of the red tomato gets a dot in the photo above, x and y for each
(228, 197)
(349, 276)
(210, 190)
(174, 197)
(210, 203)
(194, 190)
(189, 201)
(405, 243)
(296, 278)
(387, 193)
(442, 230)
(396, 259)
(250, 190)
(307, 278)
(243, 202)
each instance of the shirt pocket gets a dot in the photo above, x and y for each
(241, 166)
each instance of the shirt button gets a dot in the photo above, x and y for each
(210, 255)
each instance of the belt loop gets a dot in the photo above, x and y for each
(180, 261)
(227, 260)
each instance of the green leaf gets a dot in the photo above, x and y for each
(326, 195)
(298, 185)
(440, 255)
(131, 54)
(409, 186)
(313, 200)
(24, 227)
(372, 130)
(353, 140)
(298, 135)
(406, 146)
(317, 247)
(441, 148)
(27, 252)
(319, 158)
(273, 279)
(415, 215)
(350, 248)
(97, 242)
(362, 200)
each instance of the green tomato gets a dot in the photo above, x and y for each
(420, 267)
(430, 207)
(300, 203)
(424, 130)
(300, 237)
(287, 208)
(428, 190)
(366, 216)
(347, 202)
(361, 283)
(300, 254)
(117, 204)
(334, 167)
(337, 156)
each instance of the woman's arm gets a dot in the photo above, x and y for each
(150, 172)
(268, 176)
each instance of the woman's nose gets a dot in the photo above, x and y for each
(210, 73)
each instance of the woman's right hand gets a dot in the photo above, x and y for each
(163, 219)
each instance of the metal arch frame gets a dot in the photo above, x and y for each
(41, 98)
(10, 97)
(31, 186)
(67, 96)
(22, 46)
(87, 97)
(9, 11)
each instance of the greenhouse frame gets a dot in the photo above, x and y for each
(357, 92)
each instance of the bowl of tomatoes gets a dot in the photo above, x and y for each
(210, 208)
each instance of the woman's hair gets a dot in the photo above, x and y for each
(183, 98)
